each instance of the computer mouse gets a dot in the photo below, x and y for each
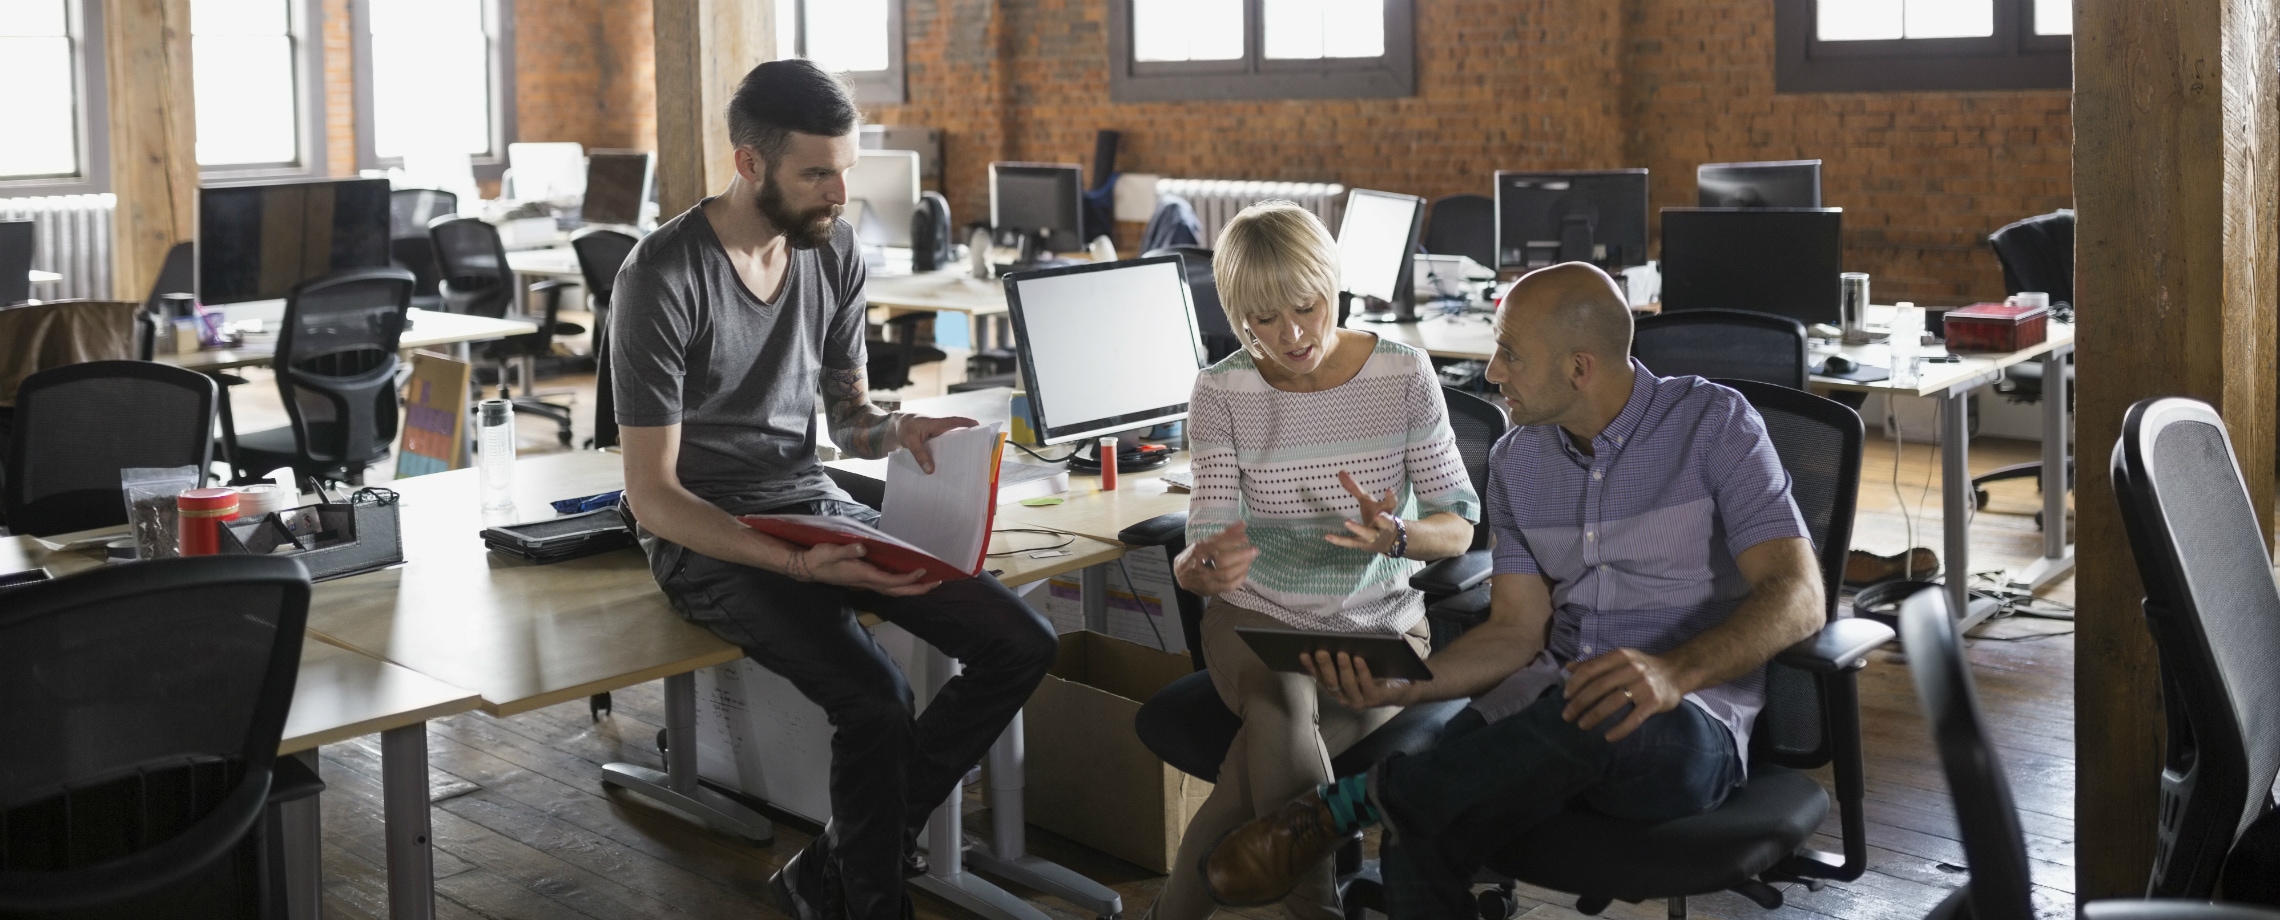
(1839, 364)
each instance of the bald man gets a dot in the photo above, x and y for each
(1649, 562)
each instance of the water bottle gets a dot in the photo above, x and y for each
(1907, 339)
(495, 440)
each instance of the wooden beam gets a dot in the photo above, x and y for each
(703, 48)
(154, 156)
(2175, 183)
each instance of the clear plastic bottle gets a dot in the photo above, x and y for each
(1907, 341)
(495, 442)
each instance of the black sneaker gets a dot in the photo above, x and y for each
(807, 888)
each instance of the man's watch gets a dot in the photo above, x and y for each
(1400, 539)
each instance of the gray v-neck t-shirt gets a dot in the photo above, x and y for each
(690, 344)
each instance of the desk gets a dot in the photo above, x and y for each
(428, 330)
(1462, 337)
(559, 264)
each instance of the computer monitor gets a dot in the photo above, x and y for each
(1106, 348)
(617, 185)
(1597, 216)
(886, 182)
(547, 172)
(1783, 261)
(1375, 241)
(1769, 184)
(256, 241)
(1041, 203)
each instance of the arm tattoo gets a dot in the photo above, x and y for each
(857, 426)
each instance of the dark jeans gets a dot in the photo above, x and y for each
(888, 770)
(1484, 785)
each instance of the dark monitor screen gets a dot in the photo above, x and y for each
(255, 242)
(617, 184)
(1597, 216)
(1041, 198)
(1783, 261)
(1774, 184)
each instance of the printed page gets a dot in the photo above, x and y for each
(948, 512)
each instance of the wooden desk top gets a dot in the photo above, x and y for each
(342, 695)
(429, 329)
(950, 290)
(1466, 336)
(1101, 515)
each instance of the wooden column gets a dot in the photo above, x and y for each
(2174, 177)
(154, 157)
(703, 48)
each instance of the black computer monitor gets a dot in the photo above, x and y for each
(617, 185)
(1596, 215)
(1105, 348)
(1783, 261)
(1770, 184)
(1376, 241)
(1041, 203)
(256, 241)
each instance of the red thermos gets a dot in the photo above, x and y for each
(199, 515)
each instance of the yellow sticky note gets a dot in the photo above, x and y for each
(1043, 502)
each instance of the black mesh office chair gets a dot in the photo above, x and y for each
(1993, 845)
(1811, 720)
(1219, 339)
(1463, 225)
(477, 281)
(2037, 255)
(1456, 590)
(890, 360)
(148, 703)
(336, 374)
(600, 254)
(1723, 345)
(410, 210)
(16, 246)
(2214, 613)
(78, 425)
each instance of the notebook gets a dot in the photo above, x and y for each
(937, 522)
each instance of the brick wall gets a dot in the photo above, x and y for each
(340, 91)
(585, 71)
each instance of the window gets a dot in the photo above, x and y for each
(1260, 49)
(434, 76)
(258, 83)
(51, 56)
(1883, 45)
(862, 39)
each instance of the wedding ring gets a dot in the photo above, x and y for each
(1210, 563)
(1627, 695)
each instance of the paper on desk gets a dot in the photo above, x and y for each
(948, 512)
(85, 539)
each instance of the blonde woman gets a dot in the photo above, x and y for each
(1325, 474)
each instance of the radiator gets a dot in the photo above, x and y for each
(1217, 201)
(71, 236)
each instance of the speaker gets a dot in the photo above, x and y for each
(930, 242)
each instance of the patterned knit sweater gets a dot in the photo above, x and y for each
(1271, 458)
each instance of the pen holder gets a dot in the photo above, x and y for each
(332, 540)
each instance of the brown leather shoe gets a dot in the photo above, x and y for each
(1261, 862)
(1864, 568)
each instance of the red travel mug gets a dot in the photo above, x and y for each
(199, 514)
(1107, 451)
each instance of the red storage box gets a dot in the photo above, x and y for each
(1996, 327)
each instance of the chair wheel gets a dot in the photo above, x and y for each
(1979, 499)
(1498, 904)
(661, 741)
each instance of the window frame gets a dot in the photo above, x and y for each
(1254, 76)
(499, 14)
(2013, 58)
(872, 87)
(306, 23)
(83, 21)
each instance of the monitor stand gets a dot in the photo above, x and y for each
(1131, 455)
(1402, 309)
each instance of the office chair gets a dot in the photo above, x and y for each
(1723, 345)
(1219, 339)
(16, 246)
(600, 254)
(336, 374)
(1456, 589)
(1463, 225)
(2037, 255)
(150, 699)
(1993, 845)
(2214, 612)
(476, 280)
(78, 425)
(410, 210)
(1811, 719)
(1173, 224)
(892, 359)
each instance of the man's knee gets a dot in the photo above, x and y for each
(1024, 641)
(876, 702)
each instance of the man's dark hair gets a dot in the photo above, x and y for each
(780, 97)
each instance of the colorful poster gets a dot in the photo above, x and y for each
(435, 417)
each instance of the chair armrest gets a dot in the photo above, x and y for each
(552, 284)
(1166, 530)
(1454, 575)
(290, 779)
(1840, 646)
(2174, 910)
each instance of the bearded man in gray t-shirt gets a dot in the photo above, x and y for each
(725, 323)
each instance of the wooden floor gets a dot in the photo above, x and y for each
(524, 828)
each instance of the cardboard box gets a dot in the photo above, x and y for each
(1089, 777)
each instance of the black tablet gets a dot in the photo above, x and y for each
(1387, 656)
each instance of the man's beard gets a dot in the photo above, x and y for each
(810, 229)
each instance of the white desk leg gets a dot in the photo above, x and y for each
(404, 808)
(1007, 856)
(946, 876)
(1956, 507)
(677, 786)
(2058, 553)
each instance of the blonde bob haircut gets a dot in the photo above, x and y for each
(1273, 256)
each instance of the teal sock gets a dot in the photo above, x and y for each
(1349, 801)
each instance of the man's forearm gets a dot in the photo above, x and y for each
(857, 426)
(1478, 661)
(1779, 613)
(678, 515)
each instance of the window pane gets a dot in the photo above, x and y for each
(43, 134)
(32, 17)
(431, 77)
(238, 17)
(245, 99)
(2054, 17)
(1859, 20)
(847, 35)
(1308, 29)
(1187, 30)
(1951, 18)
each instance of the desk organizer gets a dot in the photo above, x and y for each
(338, 540)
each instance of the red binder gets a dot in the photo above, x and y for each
(955, 509)
(879, 549)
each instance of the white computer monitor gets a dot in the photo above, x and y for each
(1375, 242)
(1106, 348)
(547, 172)
(886, 181)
